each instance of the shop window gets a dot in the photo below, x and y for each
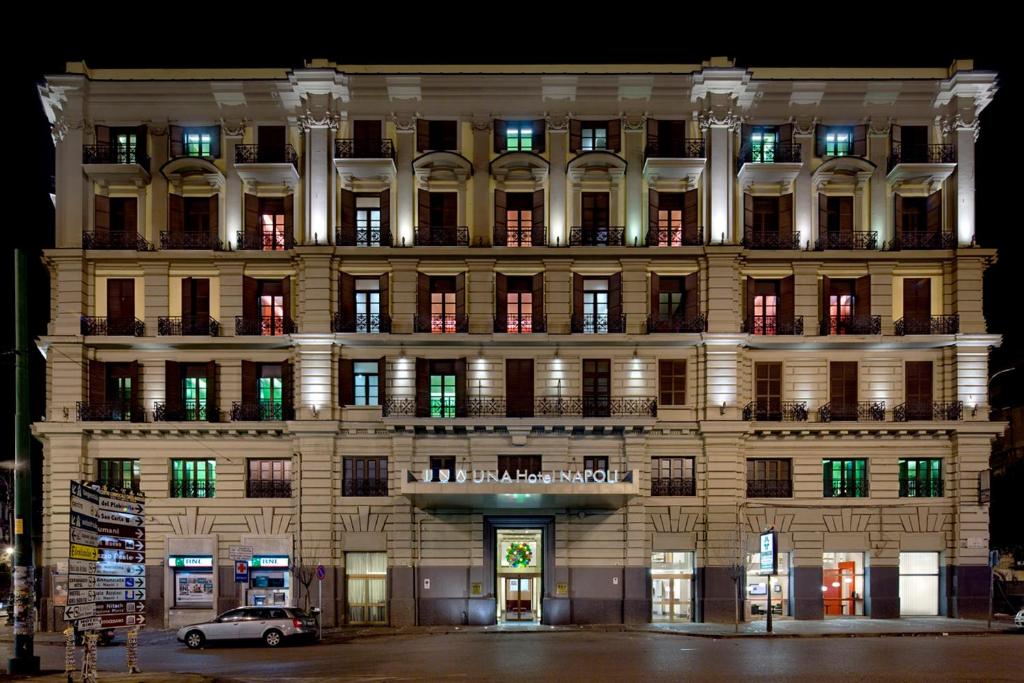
(672, 586)
(842, 584)
(919, 584)
(758, 589)
(366, 577)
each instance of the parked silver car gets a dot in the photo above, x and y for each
(272, 625)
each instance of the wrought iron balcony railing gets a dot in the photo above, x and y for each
(549, 406)
(264, 327)
(860, 411)
(110, 327)
(859, 239)
(266, 154)
(268, 488)
(518, 237)
(763, 240)
(115, 240)
(361, 323)
(193, 489)
(355, 148)
(107, 153)
(769, 488)
(674, 237)
(364, 237)
(190, 240)
(677, 323)
(590, 323)
(364, 487)
(770, 153)
(189, 411)
(773, 325)
(935, 324)
(921, 154)
(175, 326)
(857, 488)
(442, 236)
(922, 239)
(929, 410)
(520, 324)
(261, 411)
(265, 241)
(493, 406)
(441, 324)
(691, 148)
(855, 324)
(784, 411)
(921, 488)
(611, 236)
(109, 411)
(673, 486)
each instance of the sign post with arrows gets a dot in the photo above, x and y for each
(107, 558)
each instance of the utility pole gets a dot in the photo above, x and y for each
(24, 661)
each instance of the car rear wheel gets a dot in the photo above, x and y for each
(195, 639)
(273, 638)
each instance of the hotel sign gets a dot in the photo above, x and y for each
(769, 553)
(526, 477)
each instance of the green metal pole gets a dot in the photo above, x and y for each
(24, 661)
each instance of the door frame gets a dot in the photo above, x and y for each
(546, 524)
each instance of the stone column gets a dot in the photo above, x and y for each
(405, 186)
(968, 293)
(970, 543)
(317, 184)
(636, 589)
(802, 195)
(232, 199)
(805, 294)
(881, 292)
(63, 100)
(558, 295)
(633, 151)
(720, 178)
(635, 300)
(480, 299)
(723, 290)
(155, 276)
(315, 390)
(878, 152)
(717, 577)
(558, 145)
(230, 280)
(403, 295)
(315, 277)
(403, 540)
(317, 486)
(965, 125)
(482, 213)
(158, 156)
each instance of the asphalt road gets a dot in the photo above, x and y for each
(587, 656)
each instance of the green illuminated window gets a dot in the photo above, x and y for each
(593, 138)
(920, 478)
(125, 151)
(838, 142)
(118, 473)
(195, 397)
(846, 478)
(193, 478)
(198, 144)
(442, 396)
(519, 136)
(763, 142)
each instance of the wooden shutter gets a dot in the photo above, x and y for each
(347, 297)
(250, 298)
(934, 208)
(652, 137)
(917, 304)
(845, 215)
(382, 380)
(787, 299)
(102, 217)
(288, 203)
(423, 301)
(655, 295)
(690, 217)
(519, 387)
(172, 387)
(176, 141)
(214, 218)
(748, 295)
(346, 382)
(135, 376)
(212, 409)
(819, 140)
(652, 216)
(385, 309)
(822, 213)
(186, 297)
(575, 135)
(450, 211)
(615, 302)
(131, 215)
(691, 299)
(97, 383)
(862, 294)
(252, 220)
(460, 296)
(422, 387)
(500, 219)
(843, 383)
(539, 219)
(500, 136)
(121, 299)
(748, 214)
(249, 382)
(538, 301)
(286, 296)
(422, 135)
(919, 383)
(175, 214)
(577, 296)
(215, 134)
(102, 135)
(786, 218)
(539, 136)
(860, 141)
(287, 390)
(423, 216)
(460, 387)
(347, 228)
(786, 134)
(385, 212)
(614, 135)
(200, 291)
(500, 302)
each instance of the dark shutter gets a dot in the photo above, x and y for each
(615, 303)
(745, 136)
(845, 215)
(538, 219)
(786, 218)
(347, 297)
(500, 219)
(134, 375)
(249, 382)
(382, 380)
(822, 213)
(422, 387)
(690, 217)
(102, 214)
(614, 135)
(917, 304)
(786, 134)
(500, 136)
(346, 382)
(214, 218)
(460, 387)
(652, 216)
(894, 136)
(862, 296)
(692, 296)
(577, 296)
(288, 204)
(460, 297)
(423, 216)
(519, 387)
(200, 292)
(919, 387)
(787, 299)
(500, 303)
(539, 136)
(186, 297)
(250, 298)
(652, 137)
(538, 302)
(215, 133)
(102, 135)
(748, 296)
(252, 221)
(843, 386)
(575, 135)
(175, 214)
(131, 215)
(385, 213)
(655, 294)
(176, 140)
(819, 140)
(97, 383)
(385, 309)
(121, 299)
(450, 210)
(212, 409)
(287, 391)
(826, 292)
(172, 388)
(423, 301)
(748, 214)
(286, 296)
(934, 209)
(422, 135)
(347, 228)
(860, 141)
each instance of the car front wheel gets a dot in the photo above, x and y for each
(195, 639)
(273, 638)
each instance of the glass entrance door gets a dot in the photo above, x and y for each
(519, 596)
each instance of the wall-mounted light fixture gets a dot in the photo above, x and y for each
(721, 411)
(316, 411)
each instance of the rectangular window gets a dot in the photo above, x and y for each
(442, 306)
(519, 136)
(193, 478)
(442, 395)
(366, 379)
(768, 391)
(520, 312)
(272, 224)
(842, 379)
(672, 382)
(368, 305)
(595, 306)
(118, 473)
(597, 375)
(444, 135)
(197, 214)
(530, 464)
(919, 584)
(198, 143)
(915, 214)
(593, 136)
(766, 218)
(838, 141)
(766, 307)
(845, 478)
(368, 221)
(442, 468)
(271, 315)
(126, 146)
(366, 579)
(519, 224)
(595, 463)
(769, 478)
(270, 478)
(839, 215)
(763, 141)
(670, 219)
(194, 395)
(672, 477)
(269, 388)
(365, 477)
(920, 477)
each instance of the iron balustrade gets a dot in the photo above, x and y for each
(401, 407)
(193, 489)
(677, 323)
(533, 236)
(763, 240)
(442, 236)
(858, 239)
(928, 410)
(770, 153)
(264, 326)
(784, 411)
(526, 323)
(265, 242)
(853, 324)
(943, 153)
(362, 323)
(690, 148)
(261, 411)
(935, 324)
(773, 325)
(441, 324)
(364, 487)
(673, 486)
(190, 240)
(112, 153)
(674, 237)
(355, 148)
(187, 325)
(189, 411)
(266, 154)
(923, 239)
(109, 327)
(594, 323)
(115, 240)
(858, 488)
(364, 237)
(109, 411)
(769, 488)
(859, 411)
(921, 488)
(549, 406)
(611, 236)
(268, 488)
(487, 406)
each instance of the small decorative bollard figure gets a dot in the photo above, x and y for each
(69, 653)
(89, 660)
(132, 651)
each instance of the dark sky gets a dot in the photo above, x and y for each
(843, 42)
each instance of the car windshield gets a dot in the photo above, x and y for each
(299, 614)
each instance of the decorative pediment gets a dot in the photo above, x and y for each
(192, 171)
(520, 166)
(442, 166)
(596, 164)
(843, 171)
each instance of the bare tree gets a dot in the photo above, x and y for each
(304, 574)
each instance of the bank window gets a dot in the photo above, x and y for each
(366, 379)
(270, 478)
(118, 473)
(920, 478)
(672, 382)
(838, 141)
(193, 478)
(364, 477)
(519, 136)
(593, 137)
(919, 584)
(672, 477)
(847, 478)
(442, 396)
(198, 144)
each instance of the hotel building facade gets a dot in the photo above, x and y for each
(524, 343)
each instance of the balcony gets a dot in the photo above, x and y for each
(785, 411)
(936, 324)
(364, 487)
(921, 154)
(359, 159)
(267, 165)
(693, 148)
(114, 164)
(265, 242)
(772, 164)
(109, 411)
(775, 241)
(684, 160)
(579, 406)
(190, 411)
(673, 486)
(613, 236)
(361, 323)
(354, 148)
(859, 239)
(261, 411)
(772, 325)
(442, 236)
(262, 488)
(674, 237)
(190, 240)
(264, 327)
(192, 325)
(598, 324)
(854, 324)
(769, 488)
(922, 239)
(115, 240)
(520, 324)
(925, 488)
(193, 489)
(928, 411)
(775, 153)
(112, 327)
(847, 489)
(523, 237)
(364, 237)
(441, 324)
(860, 411)
(676, 323)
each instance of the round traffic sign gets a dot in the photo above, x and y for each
(320, 572)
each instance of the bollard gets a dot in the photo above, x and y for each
(69, 653)
(132, 651)
(89, 660)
